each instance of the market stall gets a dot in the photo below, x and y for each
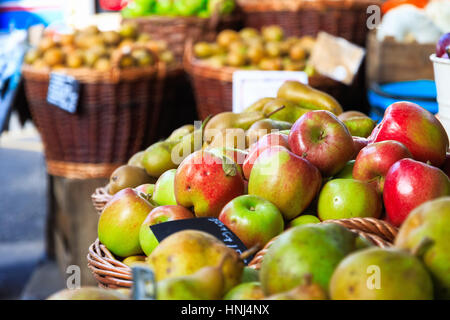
(220, 150)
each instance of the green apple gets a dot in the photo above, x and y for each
(164, 193)
(347, 171)
(161, 214)
(347, 198)
(119, 223)
(253, 219)
(303, 219)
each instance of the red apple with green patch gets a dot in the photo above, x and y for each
(288, 181)
(120, 222)
(321, 138)
(158, 215)
(271, 139)
(207, 182)
(415, 127)
(253, 219)
(375, 160)
(408, 184)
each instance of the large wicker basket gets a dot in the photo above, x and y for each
(117, 111)
(343, 18)
(214, 87)
(111, 273)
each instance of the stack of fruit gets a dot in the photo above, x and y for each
(91, 48)
(251, 49)
(181, 8)
(327, 165)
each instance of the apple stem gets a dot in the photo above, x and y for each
(275, 111)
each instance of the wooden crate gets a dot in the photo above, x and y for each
(392, 61)
(72, 223)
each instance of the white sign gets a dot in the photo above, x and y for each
(250, 86)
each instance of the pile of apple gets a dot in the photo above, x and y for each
(313, 172)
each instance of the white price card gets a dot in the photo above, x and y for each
(250, 86)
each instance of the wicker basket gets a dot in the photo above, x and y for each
(111, 273)
(343, 18)
(177, 30)
(214, 87)
(117, 111)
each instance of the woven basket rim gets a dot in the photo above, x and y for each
(109, 272)
(198, 67)
(249, 6)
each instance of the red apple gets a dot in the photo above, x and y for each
(207, 182)
(416, 128)
(160, 214)
(120, 221)
(321, 138)
(410, 183)
(359, 143)
(285, 179)
(375, 160)
(253, 219)
(271, 139)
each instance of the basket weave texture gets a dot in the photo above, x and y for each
(111, 273)
(117, 111)
(343, 18)
(214, 86)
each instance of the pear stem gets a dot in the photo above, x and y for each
(422, 247)
(244, 255)
(275, 111)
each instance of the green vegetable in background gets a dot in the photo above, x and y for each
(189, 7)
(138, 8)
(164, 7)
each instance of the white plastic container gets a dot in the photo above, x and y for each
(442, 78)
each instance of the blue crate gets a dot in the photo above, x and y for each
(23, 14)
(422, 92)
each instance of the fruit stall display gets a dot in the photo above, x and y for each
(121, 76)
(325, 194)
(341, 18)
(211, 64)
(178, 21)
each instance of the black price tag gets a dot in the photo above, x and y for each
(63, 92)
(212, 226)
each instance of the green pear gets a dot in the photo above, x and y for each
(430, 220)
(312, 249)
(303, 219)
(179, 133)
(136, 159)
(347, 171)
(228, 120)
(157, 158)
(258, 105)
(205, 284)
(250, 275)
(185, 252)
(164, 193)
(262, 127)
(360, 126)
(245, 291)
(306, 291)
(290, 113)
(381, 274)
(127, 176)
